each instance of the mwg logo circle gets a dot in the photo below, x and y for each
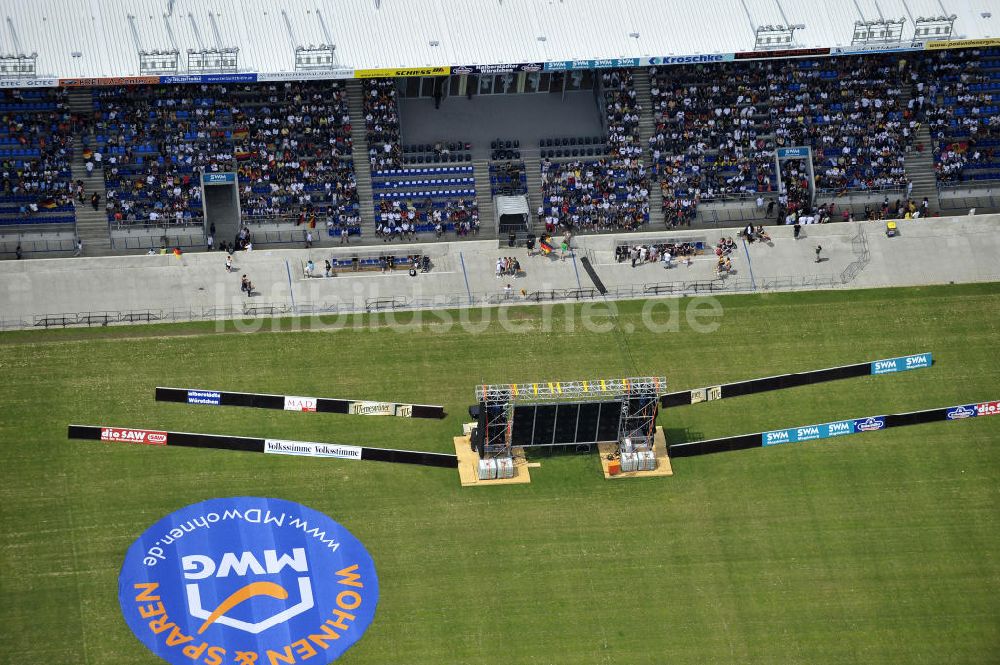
(248, 581)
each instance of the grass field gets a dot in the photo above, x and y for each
(876, 548)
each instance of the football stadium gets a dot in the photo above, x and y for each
(499, 331)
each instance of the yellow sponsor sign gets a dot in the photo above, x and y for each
(961, 43)
(401, 72)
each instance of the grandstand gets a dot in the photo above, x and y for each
(111, 150)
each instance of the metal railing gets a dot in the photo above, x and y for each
(41, 245)
(187, 241)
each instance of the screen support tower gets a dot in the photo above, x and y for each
(640, 402)
(498, 407)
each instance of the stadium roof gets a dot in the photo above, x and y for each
(104, 38)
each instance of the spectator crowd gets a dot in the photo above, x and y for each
(36, 150)
(717, 127)
(611, 193)
(290, 144)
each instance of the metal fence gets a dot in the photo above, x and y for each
(40, 245)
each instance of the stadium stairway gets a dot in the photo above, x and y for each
(359, 150)
(533, 168)
(484, 198)
(920, 170)
(91, 225)
(646, 129)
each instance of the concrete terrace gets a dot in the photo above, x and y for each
(195, 286)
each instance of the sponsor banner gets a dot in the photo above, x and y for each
(793, 152)
(380, 409)
(29, 83)
(145, 437)
(776, 437)
(961, 43)
(229, 78)
(690, 59)
(401, 72)
(901, 364)
(218, 178)
(706, 394)
(204, 397)
(566, 65)
(869, 49)
(306, 76)
(300, 403)
(616, 62)
(108, 80)
(963, 411)
(310, 449)
(181, 78)
(988, 408)
(839, 428)
(372, 409)
(246, 77)
(248, 580)
(869, 424)
(808, 433)
(506, 68)
(811, 432)
(784, 53)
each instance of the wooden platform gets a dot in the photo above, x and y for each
(663, 467)
(468, 466)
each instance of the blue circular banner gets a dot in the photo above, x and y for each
(248, 581)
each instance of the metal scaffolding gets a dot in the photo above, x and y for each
(556, 391)
(638, 422)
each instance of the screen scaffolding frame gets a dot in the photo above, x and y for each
(639, 398)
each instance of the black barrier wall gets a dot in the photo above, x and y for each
(836, 429)
(250, 444)
(764, 384)
(204, 397)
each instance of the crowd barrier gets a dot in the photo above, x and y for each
(148, 437)
(296, 403)
(765, 384)
(833, 429)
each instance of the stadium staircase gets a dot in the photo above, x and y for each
(920, 169)
(646, 129)
(484, 198)
(533, 168)
(91, 225)
(359, 150)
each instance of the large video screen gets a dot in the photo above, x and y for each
(555, 424)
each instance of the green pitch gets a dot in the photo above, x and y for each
(875, 548)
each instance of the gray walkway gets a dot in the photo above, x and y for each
(960, 249)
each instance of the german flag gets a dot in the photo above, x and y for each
(546, 247)
(48, 204)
